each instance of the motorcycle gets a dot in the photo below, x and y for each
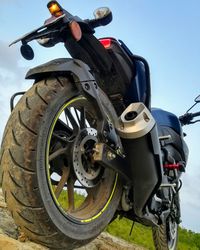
(83, 145)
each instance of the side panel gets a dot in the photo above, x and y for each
(140, 88)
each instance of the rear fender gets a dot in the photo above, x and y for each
(62, 66)
(84, 81)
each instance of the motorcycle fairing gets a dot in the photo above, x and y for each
(140, 86)
(169, 124)
(134, 71)
(124, 67)
(167, 119)
(175, 146)
(137, 91)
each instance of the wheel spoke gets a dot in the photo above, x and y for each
(77, 187)
(60, 138)
(62, 181)
(72, 120)
(82, 118)
(57, 153)
(77, 116)
(60, 125)
(92, 193)
(89, 200)
(70, 191)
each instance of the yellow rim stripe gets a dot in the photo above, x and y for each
(47, 164)
(48, 145)
(96, 216)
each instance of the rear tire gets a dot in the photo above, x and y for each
(166, 236)
(27, 182)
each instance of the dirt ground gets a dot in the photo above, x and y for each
(11, 239)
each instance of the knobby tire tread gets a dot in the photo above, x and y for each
(14, 193)
(160, 238)
(18, 157)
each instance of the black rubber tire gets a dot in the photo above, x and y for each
(161, 239)
(24, 181)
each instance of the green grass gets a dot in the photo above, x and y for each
(142, 235)
(63, 199)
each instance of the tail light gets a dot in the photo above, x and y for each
(107, 42)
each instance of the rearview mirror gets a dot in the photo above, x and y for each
(101, 12)
(27, 52)
(103, 15)
(197, 99)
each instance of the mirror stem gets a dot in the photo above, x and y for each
(191, 107)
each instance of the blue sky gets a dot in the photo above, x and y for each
(166, 33)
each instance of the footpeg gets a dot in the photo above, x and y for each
(164, 137)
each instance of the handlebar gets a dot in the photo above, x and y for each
(42, 31)
(56, 24)
(187, 118)
(196, 114)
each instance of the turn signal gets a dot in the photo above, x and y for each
(55, 9)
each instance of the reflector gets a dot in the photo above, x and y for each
(106, 42)
(75, 30)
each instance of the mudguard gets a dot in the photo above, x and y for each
(74, 67)
(86, 83)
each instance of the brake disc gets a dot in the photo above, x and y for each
(87, 172)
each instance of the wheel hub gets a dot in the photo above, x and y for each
(87, 172)
(172, 229)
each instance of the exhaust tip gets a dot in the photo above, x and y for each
(131, 115)
(136, 121)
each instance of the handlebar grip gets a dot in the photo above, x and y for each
(185, 119)
(188, 117)
(93, 23)
(196, 114)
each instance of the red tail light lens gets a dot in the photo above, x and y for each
(106, 42)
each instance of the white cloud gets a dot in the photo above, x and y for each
(11, 79)
(190, 202)
(8, 56)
